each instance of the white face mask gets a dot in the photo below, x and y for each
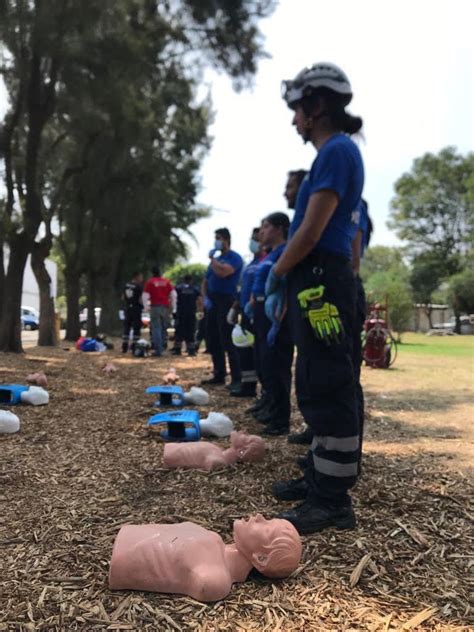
(254, 246)
(218, 244)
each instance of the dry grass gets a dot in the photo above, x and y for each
(85, 464)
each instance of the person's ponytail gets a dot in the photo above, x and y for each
(334, 109)
(346, 122)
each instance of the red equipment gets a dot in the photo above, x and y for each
(379, 347)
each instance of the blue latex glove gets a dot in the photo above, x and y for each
(272, 334)
(273, 283)
(212, 252)
(207, 303)
(274, 305)
(248, 311)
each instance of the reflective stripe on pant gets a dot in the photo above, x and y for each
(276, 363)
(325, 385)
(220, 337)
(247, 357)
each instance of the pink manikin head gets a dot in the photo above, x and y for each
(250, 448)
(272, 546)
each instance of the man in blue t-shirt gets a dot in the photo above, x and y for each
(220, 288)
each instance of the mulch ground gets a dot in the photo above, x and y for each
(85, 464)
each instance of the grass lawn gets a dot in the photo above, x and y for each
(437, 345)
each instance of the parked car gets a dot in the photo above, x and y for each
(83, 317)
(467, 324)
(29, 318)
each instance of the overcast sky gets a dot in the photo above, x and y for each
(411, 65)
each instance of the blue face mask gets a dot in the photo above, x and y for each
(218, 244)
(254, 246)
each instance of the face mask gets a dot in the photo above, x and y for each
(218, 244)
(254, 246)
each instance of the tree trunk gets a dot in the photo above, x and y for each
(10, 325)
(110, 305)
(91, 304)
(47, 322)
(428, 311)
(457, 326)
(2, 280)
(73, 326)
(109, 299)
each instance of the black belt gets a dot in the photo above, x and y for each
(322, 257)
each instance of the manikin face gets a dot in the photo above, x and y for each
(291, 191)
(256, 532)
(249, 447)
(269, 234)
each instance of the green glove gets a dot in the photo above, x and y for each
(323, 317)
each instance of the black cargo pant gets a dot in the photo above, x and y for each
(360, 316)
(247, 360)
(185, 330)
(275, 363)
(325, 383)
(132, 322)
(220, 337)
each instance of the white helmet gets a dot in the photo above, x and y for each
(322, 75)
(242, 337)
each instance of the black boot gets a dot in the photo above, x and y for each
(176, 351)
(214, 380)
(124, 347)
(303, 462)
(295, 489)
(311, 516)
(276, 427)
(258, 405)
(246, 389)
(266, 414)
(301, 438)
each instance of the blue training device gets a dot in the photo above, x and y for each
(183, 425)
(167, 395)
(11, 393)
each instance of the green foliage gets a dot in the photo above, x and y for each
(382, 259)
(103, 97)
(178, 271)
(426, 273)
(388, 287)
(433, 207)
(461, 291)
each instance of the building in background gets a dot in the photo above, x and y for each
(30, 296)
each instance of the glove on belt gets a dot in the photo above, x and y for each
(323, 316)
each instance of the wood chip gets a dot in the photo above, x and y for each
(419, 618)
(357, 572)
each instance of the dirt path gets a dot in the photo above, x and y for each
(424, 404)
(85, 464)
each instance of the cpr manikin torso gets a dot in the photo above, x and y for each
(188, 559)
(207, 456)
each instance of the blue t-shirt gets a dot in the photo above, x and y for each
(228, 284)
(338, 167)
(363, 226)
(263, 270)
(247, 281)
